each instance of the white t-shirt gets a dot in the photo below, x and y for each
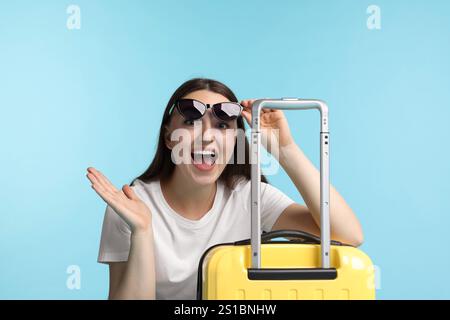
(180, 242)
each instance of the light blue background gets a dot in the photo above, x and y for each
(94, 97)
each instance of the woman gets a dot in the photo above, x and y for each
(156, 229)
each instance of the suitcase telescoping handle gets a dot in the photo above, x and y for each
(256, 272)
(297, 235)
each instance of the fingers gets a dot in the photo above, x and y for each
(129, 192)
(102, 186)
(92, 178)
(102, 180)
(95, 178)
(117, 199)
(247, 104)
(247, 116)
(102, 193)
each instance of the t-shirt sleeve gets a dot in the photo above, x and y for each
(115, 238)
(273, 203)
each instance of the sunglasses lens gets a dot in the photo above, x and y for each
(227, 111)
(191, 109)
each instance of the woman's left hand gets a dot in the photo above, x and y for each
(274, 126)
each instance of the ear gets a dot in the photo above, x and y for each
(167, 140)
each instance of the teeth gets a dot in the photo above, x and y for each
(205, 156)
(204, 152)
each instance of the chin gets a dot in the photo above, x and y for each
(204, 177)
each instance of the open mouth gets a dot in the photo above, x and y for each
(204, 159)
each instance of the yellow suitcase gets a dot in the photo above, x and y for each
(305, 267)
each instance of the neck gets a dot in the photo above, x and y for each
(188, 199)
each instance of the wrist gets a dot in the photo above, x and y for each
(143, 232)
(288, 153)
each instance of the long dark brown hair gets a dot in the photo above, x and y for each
(162, 166)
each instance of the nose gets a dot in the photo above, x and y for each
(208, 134)
(207, 127)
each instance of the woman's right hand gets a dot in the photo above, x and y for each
(125, 202)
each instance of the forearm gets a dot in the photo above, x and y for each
(138, 280)
(344, 224)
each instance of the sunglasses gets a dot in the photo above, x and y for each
(192, 109)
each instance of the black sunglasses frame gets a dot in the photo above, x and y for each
(207, 106)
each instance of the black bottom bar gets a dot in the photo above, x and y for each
(292, 274)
